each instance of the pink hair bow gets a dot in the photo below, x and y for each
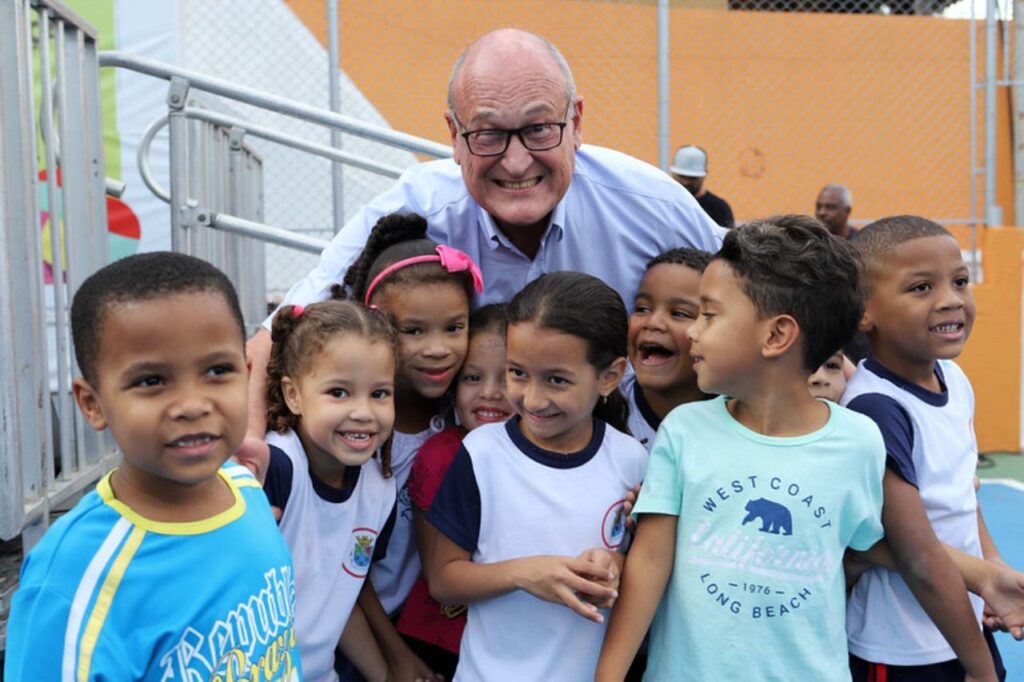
(451, 259)
(454, 260)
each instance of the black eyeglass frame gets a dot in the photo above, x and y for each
(518, 132)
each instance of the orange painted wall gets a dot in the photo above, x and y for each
(784, 102)
(992, 358)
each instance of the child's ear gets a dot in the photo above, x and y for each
(88, 400)
(867, 322)
(291, 396)
(782, 332)
(612, 375)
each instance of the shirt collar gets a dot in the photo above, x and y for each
(495, 237)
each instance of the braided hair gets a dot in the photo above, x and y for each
(393, 238)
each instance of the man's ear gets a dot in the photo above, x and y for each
(291, 396)
(453, 131)
(577, 122)
(781, 332)
(88, 399)
(611, 376)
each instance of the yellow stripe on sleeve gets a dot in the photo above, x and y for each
(104, 599)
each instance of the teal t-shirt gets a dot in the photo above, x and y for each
(757, 589)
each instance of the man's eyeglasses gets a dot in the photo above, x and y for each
(536, 137)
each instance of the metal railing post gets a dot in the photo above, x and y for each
(178, 133)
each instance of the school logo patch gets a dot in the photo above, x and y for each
(613, 529)
(360, 553)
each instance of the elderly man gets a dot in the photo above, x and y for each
(523, 196)
(833, 208)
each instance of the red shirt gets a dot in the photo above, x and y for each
(422, 616)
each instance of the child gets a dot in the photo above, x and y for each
(433, 630)
(829, 380)
(751, 497)
(159, 573)
(530, 511)
(330, 405)
(918, 317)
(665, 306)
(425, 290)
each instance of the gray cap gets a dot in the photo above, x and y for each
(690, 161)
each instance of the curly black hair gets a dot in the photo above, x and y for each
(792, 265)
(396, 237)
(297, 338)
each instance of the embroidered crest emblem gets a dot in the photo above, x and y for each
(360, 553)
(613, 528)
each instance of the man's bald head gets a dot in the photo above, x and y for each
(513, 43)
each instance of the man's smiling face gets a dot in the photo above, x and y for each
(507, 83)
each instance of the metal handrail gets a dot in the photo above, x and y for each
(254, 97)
(142, 154)
(266, 233)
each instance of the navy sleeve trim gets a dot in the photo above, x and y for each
(455, 510)
(897, 432)
(380, 549)
(278, 483)
(931, 398)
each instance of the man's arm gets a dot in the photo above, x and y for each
(932, 575)
(648, 567)
(254, 452)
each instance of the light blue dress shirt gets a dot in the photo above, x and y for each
(619, 213)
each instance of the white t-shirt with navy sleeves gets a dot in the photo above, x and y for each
(643, 422)
(394, 576)
(930, 442)
(504, 498)
(334, 535)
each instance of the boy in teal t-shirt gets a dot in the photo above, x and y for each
(751, 500)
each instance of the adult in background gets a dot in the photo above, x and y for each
(522, 196)
(833, 208)
(690, 168)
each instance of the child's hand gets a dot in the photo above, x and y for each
(254, 454)
(1004, 602)
(559, 579)
(604, 563)
(627, 508)
(410, 668)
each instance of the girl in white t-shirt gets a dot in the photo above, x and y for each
(330, 408)
(530, 512)
(424, 289)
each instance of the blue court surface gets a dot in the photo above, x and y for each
(1002, 503)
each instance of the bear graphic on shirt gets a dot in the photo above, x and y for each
(774, 517)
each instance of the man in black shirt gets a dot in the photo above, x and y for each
(689, 168)
(833, 207)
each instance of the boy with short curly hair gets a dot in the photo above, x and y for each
(751, 498)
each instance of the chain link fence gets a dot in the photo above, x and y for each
(785, 95)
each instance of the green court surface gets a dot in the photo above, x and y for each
(1002, 465)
